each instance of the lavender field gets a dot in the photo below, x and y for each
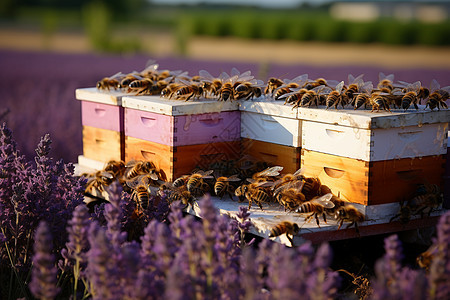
(53, 246)
(38, 89)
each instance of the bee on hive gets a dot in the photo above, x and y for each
(285, 227)
(97, 181)
(363, 96)
(188, 90)
(438, 96)
(253, 192)
(210, 84)
(225, 185)
(316, 207)
(289, 85)
(385, 83)
(111, 82)
(354, 84)
(196, 184)
(290, 196)
(335, 98)
(349, 213)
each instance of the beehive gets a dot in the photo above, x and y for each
(102, 117)
(374, 158)
(179, 136)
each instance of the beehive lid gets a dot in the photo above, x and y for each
(365, 119)
(93, 94)
(267, 107)
(164, 106)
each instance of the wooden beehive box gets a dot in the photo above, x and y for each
(102, 117)
(374, 158)
(179, 136)
(270, 121)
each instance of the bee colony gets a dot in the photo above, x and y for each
(308, 156)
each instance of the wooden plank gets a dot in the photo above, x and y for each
(274, 154)
(102, 144)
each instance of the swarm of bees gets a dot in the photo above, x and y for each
(300, 91)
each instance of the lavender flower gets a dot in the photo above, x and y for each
(113, 215)
(43, 283)
(439, 277)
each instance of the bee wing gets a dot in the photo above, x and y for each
(289, 94)
(135, 181)
(117, 75)
(367, 87)
(301, 79)
(271, 171)
(183, 81)
(397, 92)
(332, 83)
(352, 79)
(234, 72)
(107, 175)
(446, 88)
(300, 171)
(151, 66)
(434, 86)
(339, 86)
(322, 89)
(205, 75)
(264, 184)
(324, 200)
(224, 76)
(383, 76)
(233, 178)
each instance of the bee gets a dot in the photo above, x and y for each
(140, 187)
(249, 89)
(311, 187)
(273, 84)
(159, 86)
(288, 85)
(380, 100)
(349, 213)
(288, 179)
(224, 185)
(136, 168)
(385, 83)
(210, 84)
(294, 97)
(180, 181)
(316, 83)
(285, 227)
(141, 86)
(116, 168)
(338, 202)
(188, 91)
(269, 174)
(335, 98)
(354, 84)
(316, 207)
(97, 181)
(253, 192)
(125, 82)
(410, 94)
(229, 84)
(438, 96)
(425, 258)
(180, 193)
(312, 97)
(196, 184)
(290, 195)
(363, 98)
(170, 90)
(150, 71)
(108, 83)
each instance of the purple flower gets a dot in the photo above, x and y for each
(44, 272)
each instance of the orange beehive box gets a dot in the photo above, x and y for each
(371, 183)
(180, 160)
(273, 154)
(103, 144)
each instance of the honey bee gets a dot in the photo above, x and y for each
(180, 193)
(249, 89)
(316, 83)
(116, 168)
(380, 100)
(354, 84)
(410, 94)
(425, 258)
(229, 84)
(285, 227)
(150, 71)
(125, 82)
(312, 97)
(438, 96)
(290, 195)
(180, 181)
(188, 91)
(349, 213)
(288, 179)
(363, 98)
(311, 187)
(224, 185)
(272, 84)
(108, 83)
(294, 97)
(136, 168)
(385, 83)
(316, 207)
(269, 174)
(253, 192)
(140, 188)
(170, 90)
(335, 98)
(141, 86)
(288, 85)
(97, 182)
(196, 184)
(210, 84)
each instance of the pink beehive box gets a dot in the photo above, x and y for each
(180, 123)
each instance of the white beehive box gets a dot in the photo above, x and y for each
(375, 136)
(270, 121)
